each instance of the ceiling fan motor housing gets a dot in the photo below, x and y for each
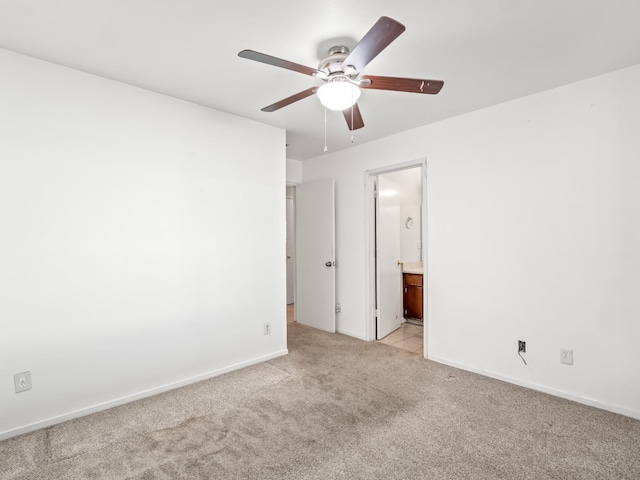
(333, 63)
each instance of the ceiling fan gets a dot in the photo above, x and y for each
(340, 71)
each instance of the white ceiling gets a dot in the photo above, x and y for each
(486, 51)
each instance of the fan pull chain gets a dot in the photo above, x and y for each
(325, 131)
(352, 106)
(352, 121)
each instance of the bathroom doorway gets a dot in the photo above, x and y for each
(397, 226)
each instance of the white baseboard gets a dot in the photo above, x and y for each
(136, 396)
(628, 412)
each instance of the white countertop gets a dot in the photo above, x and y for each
(413, 267)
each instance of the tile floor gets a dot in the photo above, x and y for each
(407, 337)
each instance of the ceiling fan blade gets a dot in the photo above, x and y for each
(357, 117)
(397, 84)
(289, 100)
(383, 32)
(277, 62)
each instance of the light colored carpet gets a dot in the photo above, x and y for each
(336, 407)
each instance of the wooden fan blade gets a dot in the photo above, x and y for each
(383, 32)
(397, 84)
(277, 62)
(357, 117)
(289, 100)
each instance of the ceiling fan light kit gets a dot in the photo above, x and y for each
(338, 95)
(340, 72)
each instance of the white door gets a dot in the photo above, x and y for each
(291, 255)
(315, 255)
(388, 272)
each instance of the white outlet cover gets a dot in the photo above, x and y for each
(566, 356)
(22, 381)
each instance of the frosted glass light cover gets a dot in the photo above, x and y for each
(338, 95)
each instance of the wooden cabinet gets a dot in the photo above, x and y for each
(412, 296)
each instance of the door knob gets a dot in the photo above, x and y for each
(328, 264)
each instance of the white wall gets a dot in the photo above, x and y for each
(130, 263)
(533, 232)
(410, 237)
(410, 192)
(294, 172)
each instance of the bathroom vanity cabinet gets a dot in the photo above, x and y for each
(412, 296)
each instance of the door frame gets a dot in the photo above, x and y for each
(370, 239)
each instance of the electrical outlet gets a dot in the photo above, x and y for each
(267, 328)
(22, 381)
(566, 356)
(522, 346)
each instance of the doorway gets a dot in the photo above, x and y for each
(396, 224)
